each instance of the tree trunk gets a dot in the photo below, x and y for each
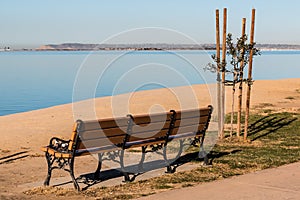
(219, 105)
(223, 71)
(249, 77)
(232, 111)
(240, 95)
(232, 104)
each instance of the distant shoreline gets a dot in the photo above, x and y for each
(143, 47)
(118, 49)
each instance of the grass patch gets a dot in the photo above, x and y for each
(228, 118)
(266, 111)
(162, 186)
(274, 140)
(187, 185)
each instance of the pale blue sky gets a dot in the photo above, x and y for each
(35, 22)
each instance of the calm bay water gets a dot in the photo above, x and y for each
(34, 80)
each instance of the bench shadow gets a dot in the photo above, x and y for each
(89, 180)
(13, 157)
(214, 155)
(269, 123)
(135, 170)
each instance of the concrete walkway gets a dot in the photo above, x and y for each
(275, 184)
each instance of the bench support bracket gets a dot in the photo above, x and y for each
(97, 172)
(60, 163)
(169, 162)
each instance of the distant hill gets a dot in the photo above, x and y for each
(79, 46)
(95, 47)
(278, 47)
(67, 46)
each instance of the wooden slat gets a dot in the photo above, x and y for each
(140, 143)
(56, 153)
(101, 133)
(145, 119)
(72, 139)
(192, 113)
(187, 129)
(82, 152)
(94, 151)
(153, 141)
(191, 121)
(155, 126)
(147, 135)
(104, 123)
(100, 142)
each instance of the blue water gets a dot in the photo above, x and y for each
(34, 80)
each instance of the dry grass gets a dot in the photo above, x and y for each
(263, 105)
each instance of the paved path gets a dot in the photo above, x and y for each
(274, 184)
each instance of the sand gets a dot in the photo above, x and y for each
(23, 134)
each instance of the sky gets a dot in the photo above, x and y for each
(32, 23)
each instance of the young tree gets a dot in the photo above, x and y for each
(239, 54)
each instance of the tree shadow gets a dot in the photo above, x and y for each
(270, 124)
(13, 157)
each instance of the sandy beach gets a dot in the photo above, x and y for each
(22, 162)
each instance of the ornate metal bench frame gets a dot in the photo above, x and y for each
(60, 154)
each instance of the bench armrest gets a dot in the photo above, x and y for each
(59, 144)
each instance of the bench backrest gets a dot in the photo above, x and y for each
(150, 129)
(140, 130)
(101, 133)
(191, 122)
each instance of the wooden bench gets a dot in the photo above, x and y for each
(154, 131)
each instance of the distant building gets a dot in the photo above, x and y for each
(5, 49)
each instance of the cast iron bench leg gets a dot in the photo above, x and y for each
(49, 164)
(171, 169)
(141, 168)
(97, 172)
(125, 174)
(71, 164)
(202, 152)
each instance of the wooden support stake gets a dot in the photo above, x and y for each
(240, 95)
(218, 71)
(223, 71)
(249, 77)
